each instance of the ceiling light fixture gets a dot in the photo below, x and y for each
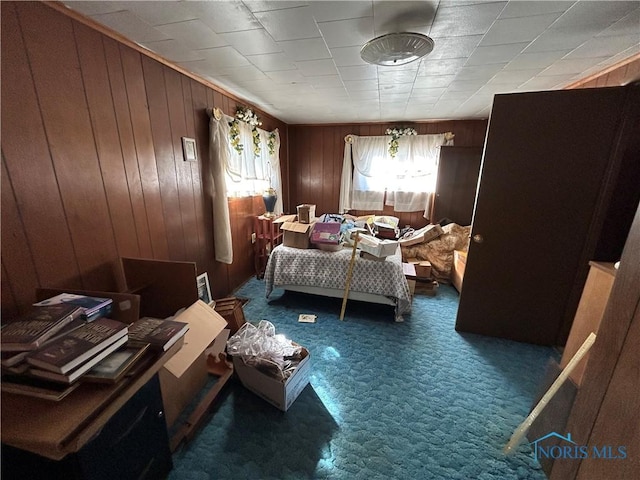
(396, 49)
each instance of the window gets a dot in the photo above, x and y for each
(406, 181)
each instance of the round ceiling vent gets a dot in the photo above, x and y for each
(396, 49)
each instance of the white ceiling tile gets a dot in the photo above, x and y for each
(223, 57)
(426, 93)
(629, 25)
(361, 85)
(465, 20)
(347, 56)
(193, 33)
(252, 42)
(495, 54)
(130, 26)
(569, 66)
(347, 33)
(605, 46)
(271, 62)
(310, 49)
(170, 12)
(364, 72)
(429, 81)
(479, 73)
(448, 66)
(515, 30)
(337, 93)
(268, 5)
(398, 16)
(387, 76)
(286, 77)
(454, 47)
(325, 81)
(513, 76)
(224, 16)
(531, 8)
(404, 88)
(317, 67)
(364, 95)
(174, 50)
(327, 11)
(601, 14)
(525, 60)
(94, 8)
(544, 83)
(302, 79)
(289, 24)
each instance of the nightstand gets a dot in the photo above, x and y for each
(268, 236)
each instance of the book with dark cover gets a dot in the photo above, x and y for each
(83, 368)
(116, 365)
(73, 349)
(94, 307)
(31, 330)
(36, 387)
(158, 333)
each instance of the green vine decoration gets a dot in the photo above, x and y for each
(256, 141)
(271, 143)
(396, 133)
(234, 134)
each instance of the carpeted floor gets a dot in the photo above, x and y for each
(411, 400)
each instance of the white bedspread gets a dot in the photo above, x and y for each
(317, 268)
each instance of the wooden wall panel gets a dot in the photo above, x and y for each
(105, 131)
(317, 152)
(70, 137)
(29, 175)
(127, 147)
(92, 165)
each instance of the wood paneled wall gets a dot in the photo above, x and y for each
(92, 165)
(316, 153)
(623, 74)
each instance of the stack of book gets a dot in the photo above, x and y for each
(94, 307)
(55, 344)
(159, 334)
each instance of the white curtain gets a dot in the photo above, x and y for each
(220, 156)
(408, 178)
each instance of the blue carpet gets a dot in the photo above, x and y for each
(387, 400)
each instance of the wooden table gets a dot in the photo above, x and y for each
(56, 429)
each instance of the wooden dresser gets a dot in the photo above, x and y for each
(589, 314)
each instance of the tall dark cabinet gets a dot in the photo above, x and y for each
(559, 184)
(458, 169)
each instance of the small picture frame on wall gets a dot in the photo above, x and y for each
(204, 290)
(189, 149)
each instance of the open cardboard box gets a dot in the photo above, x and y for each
(185, 374)
(279, 394)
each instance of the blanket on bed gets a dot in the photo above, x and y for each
(317, 268)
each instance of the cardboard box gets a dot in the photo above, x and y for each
(230, 309)
(296, 234)
(457, 269)
(326, 233)
(306, 213)
(425, 234)
(426, 287)
(185, 374)
(422, 267)
(376, 246)
(279, 394)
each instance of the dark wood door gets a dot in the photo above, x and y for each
(548, 172)
(458, 171)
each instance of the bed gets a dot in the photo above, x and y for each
(324, 273)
